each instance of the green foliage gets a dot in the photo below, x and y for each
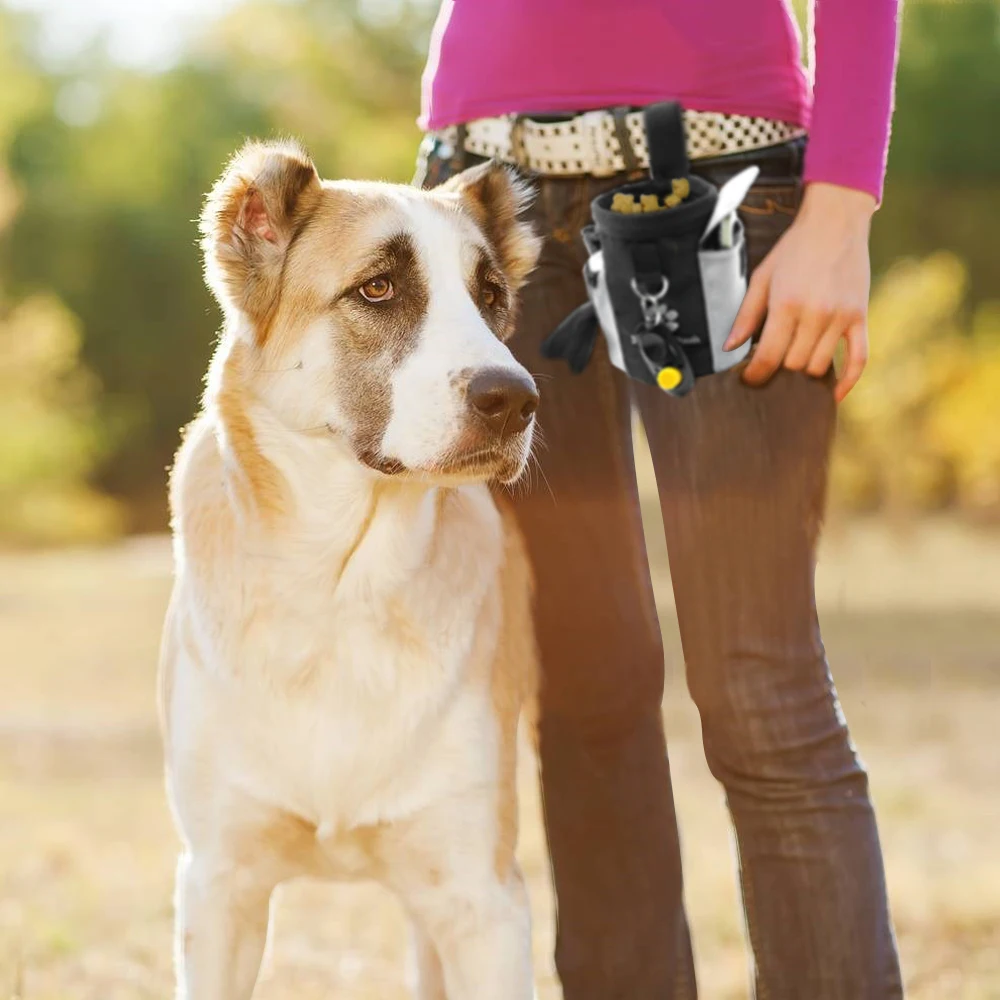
(49, 438)
(920, 430)
(948, 92)
(107, 212)
(943, 184)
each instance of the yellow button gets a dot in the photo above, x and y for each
(669, 378)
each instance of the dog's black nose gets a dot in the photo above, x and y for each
(505, 400)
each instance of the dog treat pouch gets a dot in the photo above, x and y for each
(666, 272)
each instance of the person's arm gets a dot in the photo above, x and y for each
(813, 286)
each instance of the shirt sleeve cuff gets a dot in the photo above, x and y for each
(859, 178)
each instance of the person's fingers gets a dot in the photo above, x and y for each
(754, 308)
(811, 327)
(822, 355)
(770, 351)
(855, 360)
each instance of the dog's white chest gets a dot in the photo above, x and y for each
(355, 703)
(354, 740)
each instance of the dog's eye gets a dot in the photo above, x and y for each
(491, 295)
(377, 289)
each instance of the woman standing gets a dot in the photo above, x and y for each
(740, 464)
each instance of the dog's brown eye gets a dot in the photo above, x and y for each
(377, 289)
(490, 295)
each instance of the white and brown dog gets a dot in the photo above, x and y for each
(349, 646)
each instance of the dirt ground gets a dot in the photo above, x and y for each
(87, 849)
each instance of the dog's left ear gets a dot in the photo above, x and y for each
(496, 198)
(265, 195)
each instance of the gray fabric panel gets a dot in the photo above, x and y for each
(724, 286)
(602, 306)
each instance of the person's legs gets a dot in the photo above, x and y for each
(741, 474)
(606, 783)
(608, 802)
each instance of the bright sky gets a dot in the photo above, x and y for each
(143, 33)
(146, 33)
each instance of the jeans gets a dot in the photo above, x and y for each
(741, 477)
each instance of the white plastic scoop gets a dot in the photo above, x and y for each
(731, 196)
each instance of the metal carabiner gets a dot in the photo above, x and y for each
(655, 311)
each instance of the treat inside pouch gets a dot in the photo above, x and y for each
(722, 262)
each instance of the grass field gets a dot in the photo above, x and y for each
(87, 849)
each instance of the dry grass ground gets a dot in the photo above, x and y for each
(87, 849)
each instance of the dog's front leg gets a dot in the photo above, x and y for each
(427, 964)
(221, 928)
(457, 877)
(481, 933)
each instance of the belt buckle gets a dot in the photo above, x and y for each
(446, 144)
(601, 154)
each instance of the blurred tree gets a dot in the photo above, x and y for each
(49, 435)
(114, 165)
(921, 431)
(964, 423)
(948, 91)
(50, 438)
(944, 168)
(102, 173)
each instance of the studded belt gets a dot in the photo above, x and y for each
(602, 143)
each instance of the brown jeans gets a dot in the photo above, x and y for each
(741, 475)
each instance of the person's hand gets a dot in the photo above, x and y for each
(813, 288)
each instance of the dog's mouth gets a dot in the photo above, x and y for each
(380, 463)
(498, 463)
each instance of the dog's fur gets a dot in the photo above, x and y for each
(349, 645)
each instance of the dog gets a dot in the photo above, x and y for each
(348, 645)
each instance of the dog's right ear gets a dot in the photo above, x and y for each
(251, 215)
(497, 198)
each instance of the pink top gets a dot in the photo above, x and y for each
(491, 57)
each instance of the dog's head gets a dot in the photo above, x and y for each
(377, 312)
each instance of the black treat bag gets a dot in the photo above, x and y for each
(664, 285)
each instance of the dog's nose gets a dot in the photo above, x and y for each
(505, 400)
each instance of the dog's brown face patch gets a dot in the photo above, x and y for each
(375, 336)
(491, 290)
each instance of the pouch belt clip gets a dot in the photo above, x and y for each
(593, 126)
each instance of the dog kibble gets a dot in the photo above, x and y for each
(626, 204)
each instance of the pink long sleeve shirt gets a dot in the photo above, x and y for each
(491, 57)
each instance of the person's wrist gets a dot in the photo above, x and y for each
(832, 204)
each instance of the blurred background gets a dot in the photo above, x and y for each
(115, 118)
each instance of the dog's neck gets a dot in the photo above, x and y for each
(303, 496)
